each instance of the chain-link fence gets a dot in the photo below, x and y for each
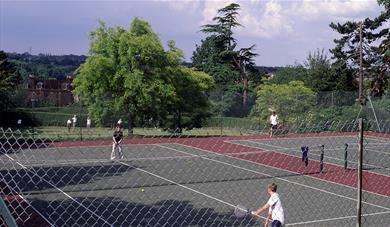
(56, 178)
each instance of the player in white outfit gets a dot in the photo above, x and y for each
(274, 206)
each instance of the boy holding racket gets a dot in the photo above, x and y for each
(117, 143)
(274, 206)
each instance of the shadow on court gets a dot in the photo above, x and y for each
(111, 211)
(41, 178)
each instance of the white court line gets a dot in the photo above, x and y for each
(334, 219)
(60, 190)
(183, 186)
(377, 139)
(381, 152)
(94, 146)
(86, 161)
(303, 137)
(264, 174)
(291, 149)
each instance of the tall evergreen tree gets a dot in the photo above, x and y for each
(231, 68)
(375, 60)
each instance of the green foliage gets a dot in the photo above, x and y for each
(385, 3)
(287, 74)
(293, 102)
(335, 113)
(46, 66)
(9, 80)
(320, 75)
(129, 74)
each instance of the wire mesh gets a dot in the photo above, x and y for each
(54, 178)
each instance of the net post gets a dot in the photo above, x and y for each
(322, 158)
(346, 156)
(9, 220)
(360, 175)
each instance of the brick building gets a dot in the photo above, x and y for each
(52, 92)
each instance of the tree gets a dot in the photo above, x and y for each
(293, 101)
(320, 74)
(375, 62)
(9, 80)
(128, 73)
(218, 56)
(287, 74)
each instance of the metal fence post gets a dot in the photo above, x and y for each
(360, 175)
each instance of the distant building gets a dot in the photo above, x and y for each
(49, 91)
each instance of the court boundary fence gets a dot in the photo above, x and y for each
(47, 179)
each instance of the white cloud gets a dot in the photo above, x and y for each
(211, 8)
(311, 9)
(263, 19)
(266, 23)
(184, 5)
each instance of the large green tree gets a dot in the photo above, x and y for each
(292, 101)
(9, 80)
(128, 73)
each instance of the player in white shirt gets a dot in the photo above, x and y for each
(74, 120)
(274, 206)
(274, 122)
(88, 122)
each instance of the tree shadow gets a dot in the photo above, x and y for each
(111, 211)
(39, 178)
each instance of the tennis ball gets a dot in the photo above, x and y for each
(142, 190)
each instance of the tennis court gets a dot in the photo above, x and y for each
(190, 182)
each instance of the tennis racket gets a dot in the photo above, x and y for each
(240, 211)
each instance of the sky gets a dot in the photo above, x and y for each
(284, 31)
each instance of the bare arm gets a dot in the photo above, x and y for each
(263, 208)
(267, 219)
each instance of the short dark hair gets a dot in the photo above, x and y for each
(273, 187)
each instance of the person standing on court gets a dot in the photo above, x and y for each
(74, 119)
(274, 206)
(274, 121)
(69, 124)
(117, 143)
(88, 122)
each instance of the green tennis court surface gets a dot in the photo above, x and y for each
(173, 184)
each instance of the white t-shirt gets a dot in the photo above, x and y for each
(88, 121)
(69, 122)
(74, 119)
(274, 119)
(276, 208)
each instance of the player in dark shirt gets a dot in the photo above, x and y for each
(305, 155)
(117, 143)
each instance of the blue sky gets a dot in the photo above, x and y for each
(284, 32)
